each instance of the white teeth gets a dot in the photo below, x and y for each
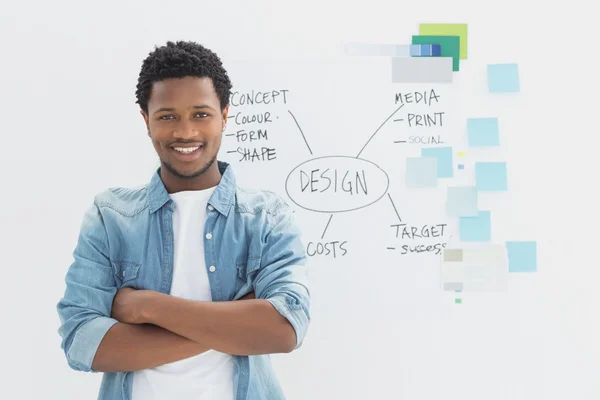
(186, 149)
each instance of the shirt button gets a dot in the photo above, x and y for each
(210, 207)
(209, 236)
(212, 268)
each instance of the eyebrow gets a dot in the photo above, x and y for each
(168, 109)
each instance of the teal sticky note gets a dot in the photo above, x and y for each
(491, 176)
(421, 172)
(522, 256)
(503, 78)
(476, 229)
(444, 160)
(462, 201)
(483, 132)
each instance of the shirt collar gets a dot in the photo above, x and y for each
(221, 199)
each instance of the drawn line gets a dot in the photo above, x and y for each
(232, 151)
(391, 248)
(380, 126)
(304, 137)
(399, 119)
(326, 226)
(399, 141)
(395, 209)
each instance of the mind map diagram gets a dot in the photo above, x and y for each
(315, 185)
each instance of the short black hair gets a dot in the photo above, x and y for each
(180, 59)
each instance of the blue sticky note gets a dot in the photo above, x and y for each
(421, 172)
(491, 176)
(522, 256)
(461, 166)
(444, 160)
(503, 78)
(462, 201)
(476, 229)
(436, 50)
(483, 132)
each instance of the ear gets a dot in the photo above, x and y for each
(146, 120)
(225, 114)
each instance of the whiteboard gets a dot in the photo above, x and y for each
(402, 306)
(336, 142)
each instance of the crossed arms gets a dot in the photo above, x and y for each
(105, 330)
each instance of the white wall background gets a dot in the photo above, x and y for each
(381, 327)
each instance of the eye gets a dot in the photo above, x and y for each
(202, 114)
(165, 117)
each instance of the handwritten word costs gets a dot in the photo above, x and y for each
(332, 249)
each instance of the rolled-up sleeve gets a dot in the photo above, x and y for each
(85, 308)
(283, 276)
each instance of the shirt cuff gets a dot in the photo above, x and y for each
(294, 313)
(86, 341)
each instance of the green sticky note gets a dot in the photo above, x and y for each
(457, 301)
(448, 30)
(450, 46)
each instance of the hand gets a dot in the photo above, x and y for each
(128, 305)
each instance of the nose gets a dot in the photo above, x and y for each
(184, 130)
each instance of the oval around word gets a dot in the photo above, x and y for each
(334, 184)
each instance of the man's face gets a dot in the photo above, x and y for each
(185, 123)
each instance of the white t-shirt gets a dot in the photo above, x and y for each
(208, 375)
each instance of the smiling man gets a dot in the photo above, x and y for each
(182, 288)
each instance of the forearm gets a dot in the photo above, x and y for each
(241, 328)
(130, 347)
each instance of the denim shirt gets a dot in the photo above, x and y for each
(126, 239)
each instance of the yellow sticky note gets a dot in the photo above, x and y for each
(447, 30)
(461, 153)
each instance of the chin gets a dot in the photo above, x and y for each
(188, 171)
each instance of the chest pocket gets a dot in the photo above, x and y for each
(248, 269)
(126, 272)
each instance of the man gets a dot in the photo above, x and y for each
(182, 288)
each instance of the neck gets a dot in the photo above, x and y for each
(173, 183)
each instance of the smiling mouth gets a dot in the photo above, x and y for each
(186, 150)
(187, 153)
